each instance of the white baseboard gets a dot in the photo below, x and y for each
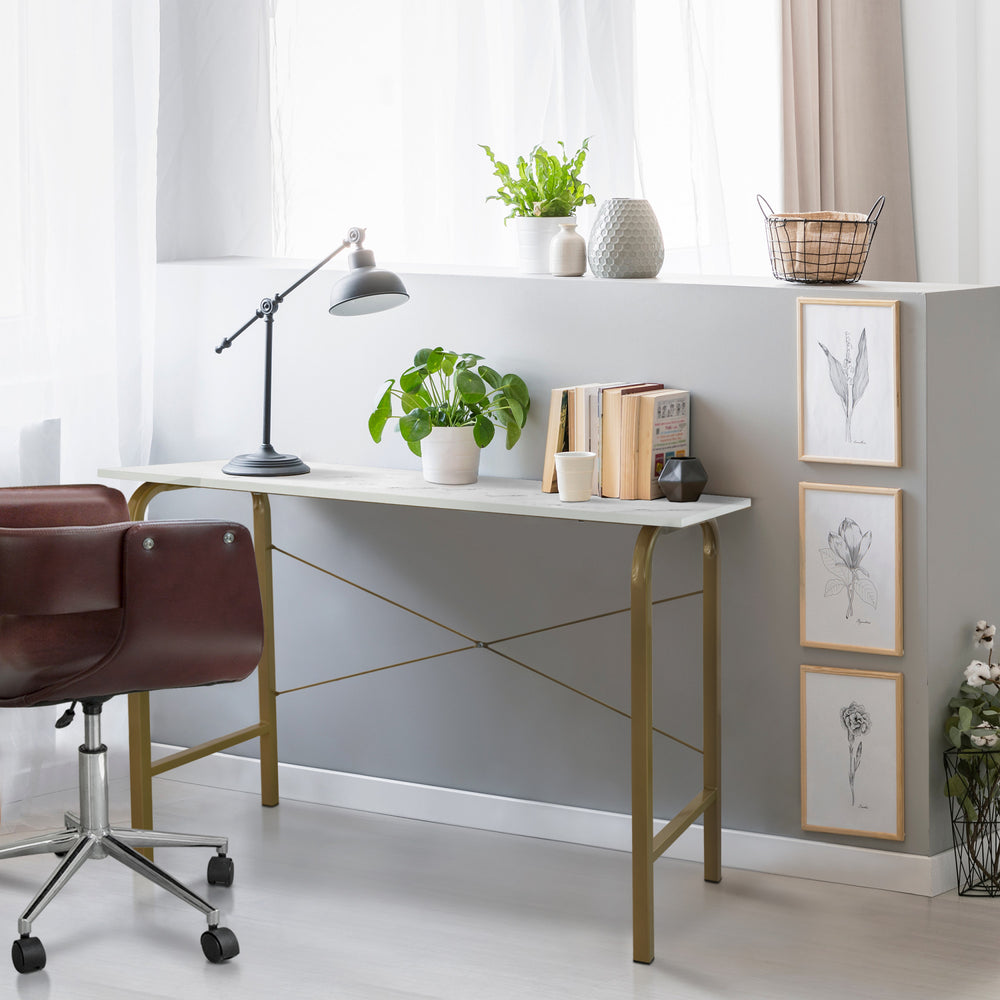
(858, 866)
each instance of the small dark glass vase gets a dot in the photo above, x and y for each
(682, 480)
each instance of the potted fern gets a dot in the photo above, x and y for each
(452, 405)
(542, 192)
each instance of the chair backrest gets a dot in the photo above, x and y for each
(93, 605)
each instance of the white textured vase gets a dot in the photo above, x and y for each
(534, 234)
(626, 241)
(450, 456)
(567, 252)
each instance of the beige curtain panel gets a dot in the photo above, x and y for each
(844, 121)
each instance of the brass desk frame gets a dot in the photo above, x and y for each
(647, 845)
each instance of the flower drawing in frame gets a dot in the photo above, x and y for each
(848, 381)
(850, 566)
(858, 723)
(843, 559)
(860, 711)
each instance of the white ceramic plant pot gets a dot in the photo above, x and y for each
(534, 235)
(450, 456)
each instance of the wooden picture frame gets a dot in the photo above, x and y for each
(852, 752)
(848, 381)
(851, 568)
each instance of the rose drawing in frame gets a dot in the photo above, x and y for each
(848, 381)
(852, 751)
(858, 724)
(850, 568)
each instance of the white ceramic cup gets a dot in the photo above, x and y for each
(575, 474)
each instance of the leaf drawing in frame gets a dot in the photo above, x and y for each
(848, 546)
(849, 379)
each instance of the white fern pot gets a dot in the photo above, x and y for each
(450, 456)
(626, 241)
(534, 236)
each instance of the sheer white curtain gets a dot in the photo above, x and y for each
(378, 110)
(78, 107)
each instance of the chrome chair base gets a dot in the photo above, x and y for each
(89, 836)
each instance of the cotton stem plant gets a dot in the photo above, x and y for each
(973, 730)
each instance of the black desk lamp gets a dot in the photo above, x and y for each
(364, 289)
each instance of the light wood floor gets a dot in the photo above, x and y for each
(330, 903)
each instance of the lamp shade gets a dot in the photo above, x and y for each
(366, 288)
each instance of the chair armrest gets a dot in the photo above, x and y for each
(54, 571)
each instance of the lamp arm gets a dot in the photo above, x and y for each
(268, 306)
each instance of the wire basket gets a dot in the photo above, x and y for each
(972, 776)
(819, 247)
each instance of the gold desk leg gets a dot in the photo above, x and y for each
(642, 746)
(266, 693)
(139, 740)
(711, 704)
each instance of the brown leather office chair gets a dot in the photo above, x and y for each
(91, 606)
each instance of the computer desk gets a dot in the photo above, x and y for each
(490, 495)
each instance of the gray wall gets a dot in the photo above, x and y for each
(476, 721)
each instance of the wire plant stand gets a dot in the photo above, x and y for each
(819, 247)
(973, 787)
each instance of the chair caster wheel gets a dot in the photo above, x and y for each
(218, 943)
(27, 954)
(220, 870)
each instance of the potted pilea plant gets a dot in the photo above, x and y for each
(542, 192)
(972, 772)
(452, 405)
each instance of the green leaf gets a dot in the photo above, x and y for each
(517, 412)
(415, 425)
(470, 386)
(412, 380)
(483, 431)
(435, 359)
(956, 786)
(515, 386)
(420, 358)
(513, 434)
(411, 401)
(376, 424)
(489, 376)
(955, 735)
(965, 718)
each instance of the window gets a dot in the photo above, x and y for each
(11, 277)
(376, 112)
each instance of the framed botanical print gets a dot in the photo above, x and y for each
(850, 568)
(852, 752)
(848, 386)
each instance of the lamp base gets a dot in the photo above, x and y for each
(265, 461)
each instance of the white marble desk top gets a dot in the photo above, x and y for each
(407, 488)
